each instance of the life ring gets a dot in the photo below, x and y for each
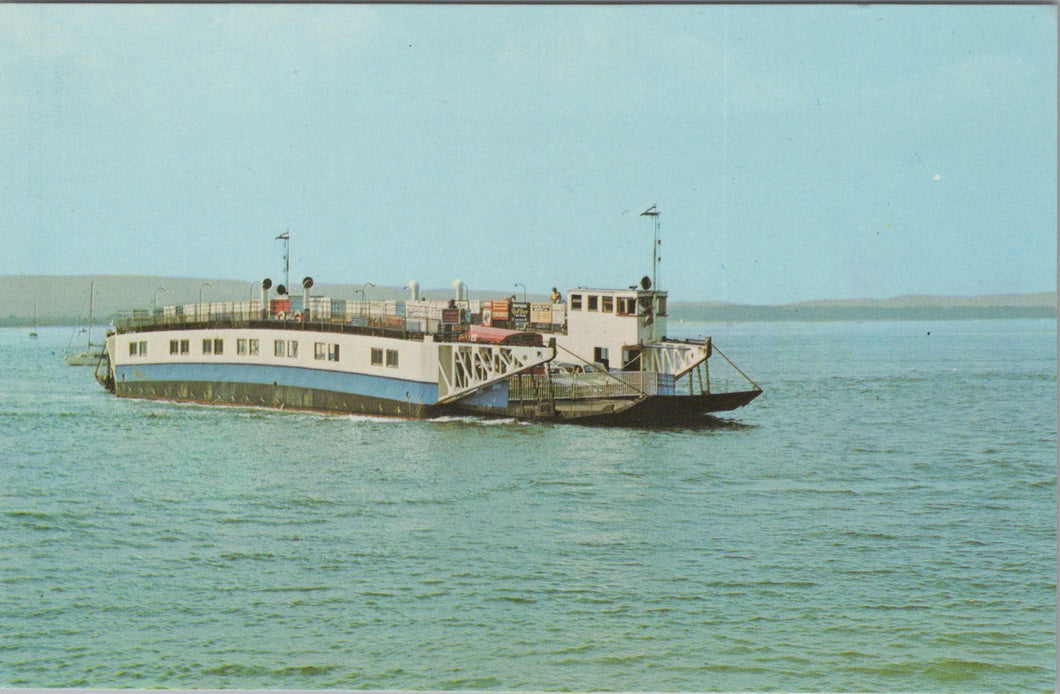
(281, 316)
(297, 315)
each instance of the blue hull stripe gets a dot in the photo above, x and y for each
(264, 374)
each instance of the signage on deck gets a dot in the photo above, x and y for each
(500, 309)
(520, 312)
(541, 313)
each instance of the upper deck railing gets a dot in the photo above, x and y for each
(412, 319)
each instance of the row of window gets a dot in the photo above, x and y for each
(215, 346)
(627, 305)
(285, 348)
(391, 357)
(324, 351)
(248, 346)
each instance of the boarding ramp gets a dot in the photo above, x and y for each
(466, 368)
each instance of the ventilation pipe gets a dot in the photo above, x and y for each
(266, 284)
(307, 284)
(414, 290)
(458, 289)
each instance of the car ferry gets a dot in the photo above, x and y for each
(599, 355)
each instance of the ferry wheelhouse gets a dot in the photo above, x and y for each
(600, 355)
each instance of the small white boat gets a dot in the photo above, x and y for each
(92, 353)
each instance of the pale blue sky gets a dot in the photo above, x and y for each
(795, 152)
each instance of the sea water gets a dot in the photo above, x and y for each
(883, 517)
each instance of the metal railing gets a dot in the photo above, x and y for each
(368, 317)
(625, 384)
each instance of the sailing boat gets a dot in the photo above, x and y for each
(33, 333)
(91, 354)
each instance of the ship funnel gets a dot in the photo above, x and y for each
(414, 290)
(458, 289)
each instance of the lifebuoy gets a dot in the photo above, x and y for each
(281, 316)
(297, 315)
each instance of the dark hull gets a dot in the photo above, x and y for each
(658, 410)
(274, 396)
(676, 410)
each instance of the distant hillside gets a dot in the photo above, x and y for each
(63, 300)
(1039, 300)
(912, 307)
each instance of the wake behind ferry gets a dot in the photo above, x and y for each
(597, 355)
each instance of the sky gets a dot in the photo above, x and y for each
(794, 152)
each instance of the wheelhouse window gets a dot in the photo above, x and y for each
(644, 304)
(593, 303)
(607, 304)
(601, 356)
(575, 302)
(627, 306)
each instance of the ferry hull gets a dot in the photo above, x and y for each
(275, 397)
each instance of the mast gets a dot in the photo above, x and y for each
(286, 238)
(653, 212)
(91, 288)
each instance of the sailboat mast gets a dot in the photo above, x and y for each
(91, 288)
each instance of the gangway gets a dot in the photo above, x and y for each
(465, 368)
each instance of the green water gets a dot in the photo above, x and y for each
(882, 518)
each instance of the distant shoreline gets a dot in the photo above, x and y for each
(62, 300)
(822, 314)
